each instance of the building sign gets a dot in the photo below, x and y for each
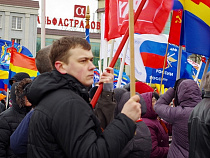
(70, 22)
(79, 11)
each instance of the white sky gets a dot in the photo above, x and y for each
(65, 9)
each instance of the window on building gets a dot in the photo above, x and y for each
(16, 23)
(16, 40)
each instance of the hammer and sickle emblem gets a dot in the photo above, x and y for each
(179, 20)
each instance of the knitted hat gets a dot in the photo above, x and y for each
(142, 87)
(121, 96)
(4, 92)
(18, 77)
(2, 96)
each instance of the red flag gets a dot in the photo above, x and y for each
(175, 29)
(152, 19)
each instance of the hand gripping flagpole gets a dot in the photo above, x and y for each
(119, 49)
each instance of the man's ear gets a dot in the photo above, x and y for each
(60, 67)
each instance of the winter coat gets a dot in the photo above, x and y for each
(19, 138)
(189, 96)
(141, 144)
(160, 139)
(63, 124)
(199, 129)
(104, 111)
(9, 120)
(2, 107)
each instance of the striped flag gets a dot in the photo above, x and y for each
(22, 63)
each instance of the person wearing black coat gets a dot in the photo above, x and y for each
(199, 125)
(63, 123)
(10, 118)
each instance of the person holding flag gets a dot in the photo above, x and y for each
(63, 123)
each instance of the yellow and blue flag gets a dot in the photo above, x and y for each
(6, 48)
(22, 63)
(196, 26)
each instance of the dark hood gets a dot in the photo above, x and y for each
(13, 96)
(51, 81)
(188, 93)
(121, 95)
(151, 114)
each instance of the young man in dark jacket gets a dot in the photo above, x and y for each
(63, 123)
(199, 125)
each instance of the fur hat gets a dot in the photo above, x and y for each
(121, 96)
(18, 77)
(20, 91)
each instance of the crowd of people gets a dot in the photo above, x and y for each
(51, 116)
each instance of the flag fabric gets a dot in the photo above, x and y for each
(87, 35)
(22, 63)
(175, 29)
(96, 76)
(6, 47)
(125, 79)
(152, 19)
(140, 71)
(169, 77)
(196, 26)
(153, 54)
(192, 68)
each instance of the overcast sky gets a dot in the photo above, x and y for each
(65, 8)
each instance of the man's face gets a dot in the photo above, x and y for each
(80, 66)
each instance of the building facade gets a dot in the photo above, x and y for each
(18, 22)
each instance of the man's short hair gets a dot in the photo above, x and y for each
(42, 60)
(206, 86)
(60, 48)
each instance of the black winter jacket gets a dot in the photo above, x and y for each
(199, 129)
(63, 123)
(9, 120)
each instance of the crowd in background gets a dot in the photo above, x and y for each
(51, 116)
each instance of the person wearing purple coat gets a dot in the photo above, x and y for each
(187, 95)
(159, 134)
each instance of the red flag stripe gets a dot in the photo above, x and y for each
(20, 60)
(152, 60)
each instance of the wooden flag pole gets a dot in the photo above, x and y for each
(204, 73)
(119, 49)
(164, 65)
(131, 40)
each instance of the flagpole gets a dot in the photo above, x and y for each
(87, 27)
(196, 77)
(111, 51)
(131, 40)
(122, 65)
(42, 23)
(119, 49)
(164, 64)
(179, 63)
(204, 73)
